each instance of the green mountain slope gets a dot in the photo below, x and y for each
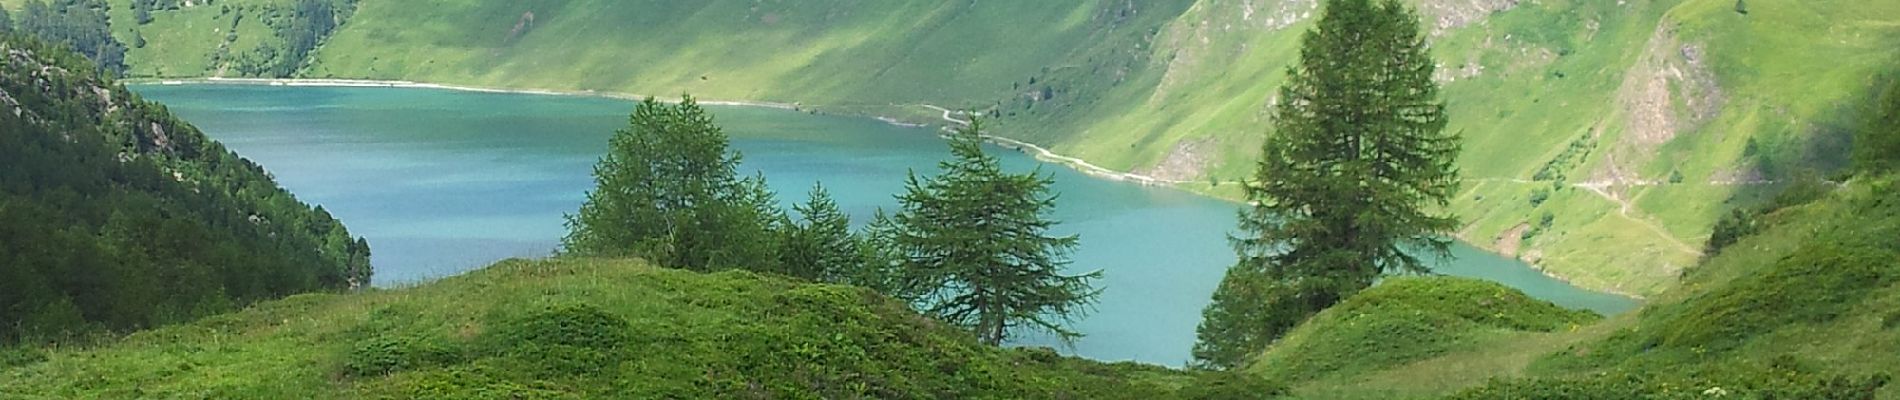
(1603, 138)
(576, 329)
(114, 215)
(1631, 124)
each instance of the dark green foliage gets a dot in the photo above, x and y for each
(1242, 319)
(1745, 221)
(1356, 163)
(1544, 223)
(1877, 142)
(142, 12)
(668, 190)
(1539, 196)
(116, 216)
(79, 24)
(820, 246)
(563, 340)
(976, 241)
(20, 356)
(1406, 319)
(1576, 153)
(1741, 7)
(1739, 223)
(882, 267)
(6, 21)
(383, 355)
(302, 27)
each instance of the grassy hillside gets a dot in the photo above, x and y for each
(1817, 289)
(1403, 320)
(574, 329)
(1629, 123)
(835, 53)
(1589, 125)
(1802, 309)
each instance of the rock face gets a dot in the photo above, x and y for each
(1446, 15)
(1669, 91)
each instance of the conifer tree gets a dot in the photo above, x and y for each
(881, 265)
(668, 190)
(1351, 176)
(820, 246)
(977, 239)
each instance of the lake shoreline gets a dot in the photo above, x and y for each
(1035, 151)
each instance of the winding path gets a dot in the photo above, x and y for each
(1044, 154)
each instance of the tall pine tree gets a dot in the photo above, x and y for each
(977, 239)
(1357, 162)
(668, 190)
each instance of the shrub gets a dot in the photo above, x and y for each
(564, 340)
(388, 354)
(20, 356)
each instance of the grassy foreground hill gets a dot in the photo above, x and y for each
(1589, 125)
(576, 328)
(1802, 309)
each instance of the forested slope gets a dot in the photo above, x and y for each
(114, 215)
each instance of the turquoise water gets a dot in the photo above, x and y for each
(442, 182)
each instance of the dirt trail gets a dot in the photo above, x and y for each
(1044, 154)
(1628, 211)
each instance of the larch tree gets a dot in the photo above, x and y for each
(668, 190)
(820, 246)
(1352, 179)
(977, 240)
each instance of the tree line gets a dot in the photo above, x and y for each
(80, 24)
(116, 216)
(298, 26)
(969, 245)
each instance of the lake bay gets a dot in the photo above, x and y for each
(442, 182)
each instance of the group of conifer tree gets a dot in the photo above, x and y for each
(969, 245)
(1348, 185)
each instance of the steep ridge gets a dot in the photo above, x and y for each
(116, 216)
(1631, 124)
